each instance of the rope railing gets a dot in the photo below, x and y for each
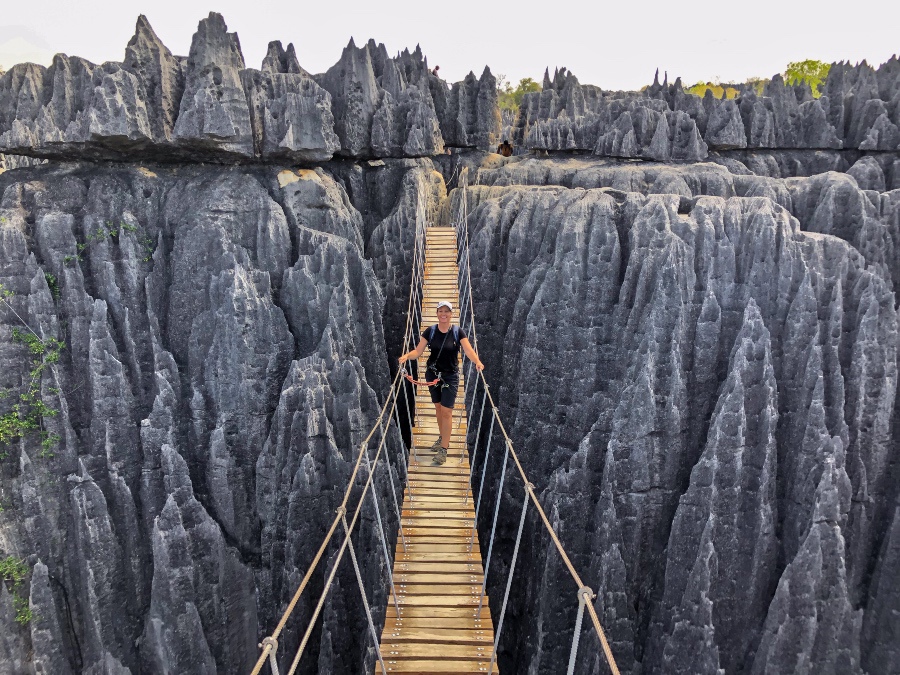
(389, 412)
(584, 594)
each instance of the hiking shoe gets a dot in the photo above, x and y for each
(441, 456)
(436, 445)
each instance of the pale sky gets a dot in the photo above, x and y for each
(615, 45)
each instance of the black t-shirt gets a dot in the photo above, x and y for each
(444, 349)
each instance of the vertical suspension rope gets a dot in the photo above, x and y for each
(387, 557)
(475, 442)
(584, 595)
(512, 569)
(487, 456)
(487, 562)
(393, 489)
(362, 592)
(272, 644)
(409, 490)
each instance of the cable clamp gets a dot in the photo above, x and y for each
(585, 594)
(269, 642)
(342, 511)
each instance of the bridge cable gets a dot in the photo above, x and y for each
(464, 258)
(269, 645)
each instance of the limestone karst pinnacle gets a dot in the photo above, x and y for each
(688, 308)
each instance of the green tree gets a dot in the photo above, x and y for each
(758, 84)
(511, 99)
(717, 89)
(810, 71)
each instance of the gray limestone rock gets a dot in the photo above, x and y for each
(160, 75)
(290, 114)
(472, 116)
(730, 500)
(383, 107)
(354, 98)
(214, 115)
(666, 300)
(46, 632)
(868, 174)
(725, 128)
(696, 360)
(155, 542)
(881, 623)
(812, 625)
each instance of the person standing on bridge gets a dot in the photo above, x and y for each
(442, 371)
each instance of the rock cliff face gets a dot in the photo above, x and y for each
(729, 475)
(223, 351)
(695, 355)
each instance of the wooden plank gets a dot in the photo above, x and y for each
(437, 567)
(425, 522)
(441, 515)
(409, 611)
(422, 510)
(469, 623)
(446, 472)
(446, 532)
(443, 473)
(439, 579)
(460, 523)
(394, 638)
(467, 650)
(436, 539)
(446, 557)
(438, 576)
(408, 589)
(435, 666)
(448, 551)
(449, 488)
(439, 601)
(420, 507)
(412, 623)
(437, 501)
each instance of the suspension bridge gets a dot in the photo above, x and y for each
(438, 620)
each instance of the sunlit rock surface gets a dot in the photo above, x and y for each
(687, 308)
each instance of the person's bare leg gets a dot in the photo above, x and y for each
(446, 426)
(439, 416)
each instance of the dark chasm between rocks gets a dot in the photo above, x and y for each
(686, 306)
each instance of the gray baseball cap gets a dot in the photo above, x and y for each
(444, 303)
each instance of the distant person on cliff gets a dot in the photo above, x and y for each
(442, 371)
(505, 148)
(434, 72)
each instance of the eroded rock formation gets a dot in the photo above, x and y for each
(695, 355)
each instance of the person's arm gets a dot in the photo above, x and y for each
(417, 352)
(470, 352)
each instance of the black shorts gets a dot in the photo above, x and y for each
(444, 392)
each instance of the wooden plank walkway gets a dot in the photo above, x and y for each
(438, 578)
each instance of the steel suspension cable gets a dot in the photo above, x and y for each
(270, 644)
(340, 555)
(487, 562)
(362, 592)
(384, 547)
(466, 268)
(509, 578)
(272, 641)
